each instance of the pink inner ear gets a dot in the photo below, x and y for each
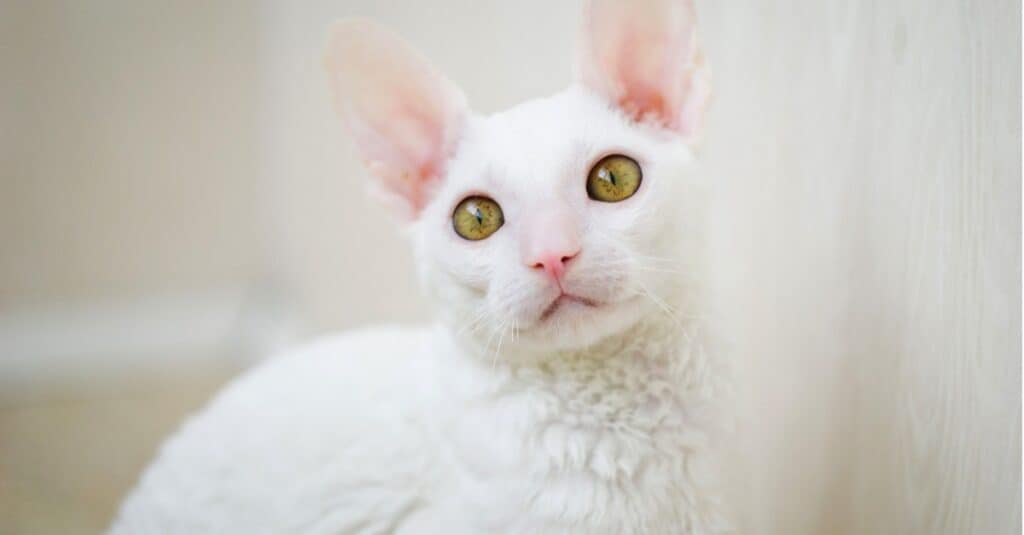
(403, 147)
(403, 117)
(644, 57)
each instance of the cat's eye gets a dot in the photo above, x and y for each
(615, 178)
(477, 217)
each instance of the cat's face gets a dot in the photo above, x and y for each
(564, 269)
(563, 220)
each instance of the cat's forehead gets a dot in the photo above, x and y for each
(538, 139)
(540, 119)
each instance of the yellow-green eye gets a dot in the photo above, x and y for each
(477, 217)
(615, 178)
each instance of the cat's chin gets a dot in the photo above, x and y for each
(576, 323)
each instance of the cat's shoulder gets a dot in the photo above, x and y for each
(371, 361)
(355, 353)
(340, 416)
(365, 372)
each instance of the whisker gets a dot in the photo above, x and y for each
(660, 303)
(474, 322)
(497, 350)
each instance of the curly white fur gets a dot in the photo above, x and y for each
(395, 430)
(498, 419)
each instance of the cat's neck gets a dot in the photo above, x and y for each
(658, 338)
(655, 336)
(657, 373)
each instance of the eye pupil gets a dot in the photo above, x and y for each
(615, 178)
(477, 217)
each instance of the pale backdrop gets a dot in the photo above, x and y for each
(174, 170)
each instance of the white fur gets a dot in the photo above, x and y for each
(595, 420)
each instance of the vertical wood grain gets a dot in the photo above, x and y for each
(868, 157)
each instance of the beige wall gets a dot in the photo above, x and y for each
(342, 254)
(866, 153)
(130, 151)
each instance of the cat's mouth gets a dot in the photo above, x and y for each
(565, 299)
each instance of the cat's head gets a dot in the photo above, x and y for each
(561, 221)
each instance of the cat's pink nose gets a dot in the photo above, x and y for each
(550, 242)
(554, 264)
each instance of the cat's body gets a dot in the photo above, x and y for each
(602, 442)
(567, 386)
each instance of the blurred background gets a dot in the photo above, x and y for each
(177, 202)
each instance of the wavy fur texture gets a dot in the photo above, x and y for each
(503, 417)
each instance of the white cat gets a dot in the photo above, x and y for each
(565, 387)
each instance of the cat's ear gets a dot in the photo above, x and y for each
(403, 116)
(643, 56)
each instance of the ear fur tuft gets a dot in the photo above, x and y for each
(404, 117)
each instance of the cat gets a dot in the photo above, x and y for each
(567, 385)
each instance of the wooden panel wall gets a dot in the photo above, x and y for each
(868, 156)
